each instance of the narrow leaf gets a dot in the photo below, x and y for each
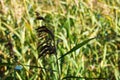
(11, 29)
(6, 64)
(76, 47)
(86, 78)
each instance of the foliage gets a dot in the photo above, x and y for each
(59, 39)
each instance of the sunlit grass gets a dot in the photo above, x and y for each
(74, 23)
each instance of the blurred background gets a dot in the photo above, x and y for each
(71, 22)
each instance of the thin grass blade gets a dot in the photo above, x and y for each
(76, 47)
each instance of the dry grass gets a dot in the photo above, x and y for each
(73, 22)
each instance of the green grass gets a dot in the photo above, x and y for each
(86, 39)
